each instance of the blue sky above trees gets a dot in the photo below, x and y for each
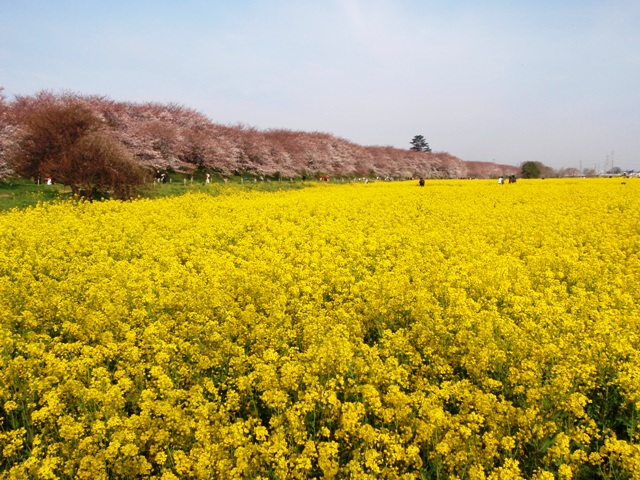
(554, 82)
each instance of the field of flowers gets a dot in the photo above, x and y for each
(461, 330)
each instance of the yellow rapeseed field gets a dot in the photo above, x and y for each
(461, 330)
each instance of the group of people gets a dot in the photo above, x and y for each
(161, 177)
(510, 179)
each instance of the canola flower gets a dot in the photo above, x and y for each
(462, 330)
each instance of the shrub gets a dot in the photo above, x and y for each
(66, 141)
(98, 164)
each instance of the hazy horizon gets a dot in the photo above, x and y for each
(554, 82)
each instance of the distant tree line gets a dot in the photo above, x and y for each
(539, 170)
(96, 145)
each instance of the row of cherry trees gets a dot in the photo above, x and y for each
(7, 134)
(171, 136)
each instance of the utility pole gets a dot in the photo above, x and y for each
(611, 160)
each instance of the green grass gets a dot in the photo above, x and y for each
(20, 193)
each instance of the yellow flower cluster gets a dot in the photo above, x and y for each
(462, 330)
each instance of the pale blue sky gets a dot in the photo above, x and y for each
(505, 81)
